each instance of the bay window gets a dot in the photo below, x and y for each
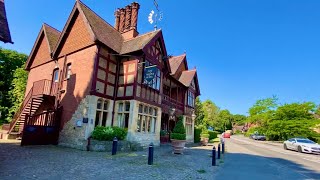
(123, 114)
(101, 113)
(147, 119)
(191, 99)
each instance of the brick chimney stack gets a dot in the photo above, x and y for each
(126, 20)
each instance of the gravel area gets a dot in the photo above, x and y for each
(53, 162)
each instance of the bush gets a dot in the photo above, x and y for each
(212, 134)
(197, 132)
(108, 133)
(205, 135)
(179, 132)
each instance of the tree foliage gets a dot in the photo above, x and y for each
(9, 62)
(239, 119)
(199, 112)
(295, 111)
(263, 110)
(280, 122)
(210, 113)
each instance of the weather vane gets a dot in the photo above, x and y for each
(154, 17)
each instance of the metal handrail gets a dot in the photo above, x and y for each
(41, 87)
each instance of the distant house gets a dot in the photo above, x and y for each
(93, 74)
(4, 30)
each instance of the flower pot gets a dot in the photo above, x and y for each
(204, 141)
(164, 139)
(178, 146)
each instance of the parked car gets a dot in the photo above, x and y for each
(302, 145)
(259, 137)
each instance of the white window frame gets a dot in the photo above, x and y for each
(188, 125)
(102, 110)
(147, 119)
(122, 112)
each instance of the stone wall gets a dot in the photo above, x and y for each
(106, 146)
(143, 138)
(75, 132)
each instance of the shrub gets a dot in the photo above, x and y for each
(108, 133)
(197, 132)
(205, 135)
(179, 132)
(120, 133)
(212, 134)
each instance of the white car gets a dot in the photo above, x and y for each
(302, 145)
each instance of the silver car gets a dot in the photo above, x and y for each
(302, 145)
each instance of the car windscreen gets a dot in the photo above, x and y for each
(305, 141)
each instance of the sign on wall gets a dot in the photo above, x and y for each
(149, 74)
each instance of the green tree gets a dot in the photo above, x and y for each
(16, 94)
(263, 110)
(199, 112)
(210, 113)
(225, 119)
(239, 119)
(295, 111)
(9, 61)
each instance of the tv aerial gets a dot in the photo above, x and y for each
(154, 17)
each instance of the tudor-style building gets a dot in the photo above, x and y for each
(92, 74)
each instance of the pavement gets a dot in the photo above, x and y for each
(249, 159)
(54, 162)
(245, 159)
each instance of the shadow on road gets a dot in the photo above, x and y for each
(247, 166)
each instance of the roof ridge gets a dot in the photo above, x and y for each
(45, 24)
(78, 1)
(142, 35)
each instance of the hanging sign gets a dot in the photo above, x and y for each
(149, 74)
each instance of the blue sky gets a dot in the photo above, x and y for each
(244, 50)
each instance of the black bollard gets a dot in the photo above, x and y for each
(114, 146)
(150, 155)
(214, 156)
(218, 151)
(223, 148)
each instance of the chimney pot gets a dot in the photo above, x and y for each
(117, 15)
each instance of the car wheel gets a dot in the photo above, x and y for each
(285, 147)
(299, 149)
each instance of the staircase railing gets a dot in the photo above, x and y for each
(42, 87)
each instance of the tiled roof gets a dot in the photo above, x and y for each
(4, 30)
(175, 62)
(187, 77)
(52, 35)
(138, 42)
(103, 31)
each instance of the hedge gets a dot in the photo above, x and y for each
(212, 134)
(197, 132)
(108, 133)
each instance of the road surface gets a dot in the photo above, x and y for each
(248, 159)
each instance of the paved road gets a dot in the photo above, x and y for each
(249, 159)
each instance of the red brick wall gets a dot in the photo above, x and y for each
(42, 53)
(80, 81)
(38, 73)
(79, 36)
